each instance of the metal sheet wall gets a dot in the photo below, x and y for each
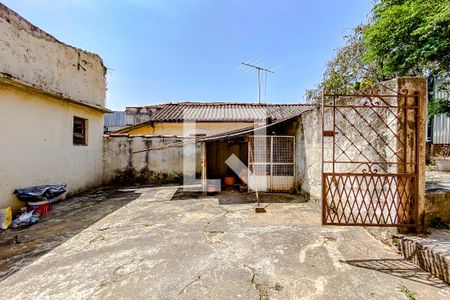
(441, 129)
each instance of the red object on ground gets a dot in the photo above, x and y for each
(41, 207)
(229, 180)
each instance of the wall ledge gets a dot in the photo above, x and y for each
(11, 81)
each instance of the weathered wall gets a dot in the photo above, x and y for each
(32, 56)
(44, 83)
(437, 206)
(176, 129)
(120, 164)
(36, 134)
(308, 157)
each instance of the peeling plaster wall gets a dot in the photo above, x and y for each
(36, 58)
(41, 82)
(36, 133)
(308, 156)
(118, 156)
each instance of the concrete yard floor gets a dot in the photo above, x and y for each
(437, 181)
(152, 245)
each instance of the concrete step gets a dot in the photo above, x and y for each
(431, 252)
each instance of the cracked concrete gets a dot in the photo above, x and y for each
(155, 247)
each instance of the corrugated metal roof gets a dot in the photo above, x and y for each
(116, 118)
(441, 129)
(226, 111)
(441, 123)
(224, 135)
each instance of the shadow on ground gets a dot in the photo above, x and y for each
(401, 268)
(20, 247)
(229, 197)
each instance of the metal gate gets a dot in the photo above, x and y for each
(271, 164)
(370, 159)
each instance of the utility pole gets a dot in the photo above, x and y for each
(259, 70)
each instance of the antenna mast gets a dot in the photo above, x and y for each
(259, 70)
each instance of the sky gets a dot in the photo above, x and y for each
(159, 51)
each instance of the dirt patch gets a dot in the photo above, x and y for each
(130, 176)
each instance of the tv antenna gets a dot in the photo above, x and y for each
(259, 70)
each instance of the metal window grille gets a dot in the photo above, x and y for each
(271, 163)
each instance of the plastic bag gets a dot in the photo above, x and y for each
(25, 219)
(41, 192)
(5, 217)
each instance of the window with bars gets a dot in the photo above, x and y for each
(79, 131)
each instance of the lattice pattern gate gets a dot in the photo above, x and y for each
(369, 163)
(271, 164)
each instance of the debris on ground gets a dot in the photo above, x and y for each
(5, 217)
(19, 247)
(38, 200)
(26, 219)
(41, 192)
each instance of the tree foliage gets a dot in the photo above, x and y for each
(439, 95)
(401, 38)
(411, 37)
(439, 106)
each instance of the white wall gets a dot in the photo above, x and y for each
(30, 55)
(36, 144)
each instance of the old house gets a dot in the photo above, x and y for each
(176, 123)
(210, 118)
(52, 99)
(221, 131)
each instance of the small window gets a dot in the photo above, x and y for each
(79, 131)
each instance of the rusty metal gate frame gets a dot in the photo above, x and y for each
(370, 190)
(261, 159)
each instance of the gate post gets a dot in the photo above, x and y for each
(416, 141)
